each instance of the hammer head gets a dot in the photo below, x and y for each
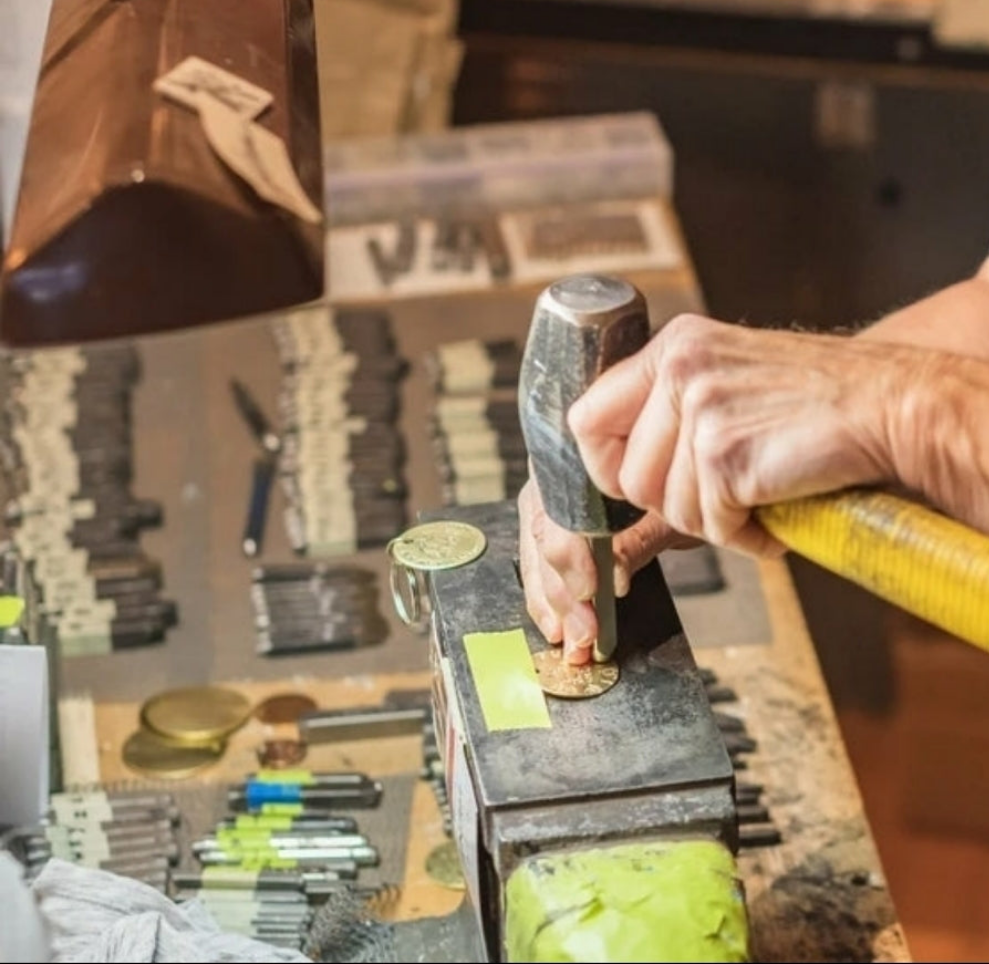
(581, 325)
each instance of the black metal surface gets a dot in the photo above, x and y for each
(644, 757)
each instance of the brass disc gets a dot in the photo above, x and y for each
(284, 708)
(147, 753)
(196, 715)
(443, 865)
(444, 544)
(279, 754)
(572, 682)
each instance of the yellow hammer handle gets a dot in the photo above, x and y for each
(909, 555)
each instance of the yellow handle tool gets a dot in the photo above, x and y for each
(909, 555)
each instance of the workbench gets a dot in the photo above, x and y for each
(818, 896)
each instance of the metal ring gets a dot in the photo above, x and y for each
(409, 612)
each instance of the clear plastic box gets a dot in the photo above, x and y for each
(495, 167)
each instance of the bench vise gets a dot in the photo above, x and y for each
(639, 766)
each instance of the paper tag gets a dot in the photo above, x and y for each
(257, 155)
(184, 82)
(81, 809)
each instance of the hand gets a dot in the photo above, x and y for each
(559, 576)
(710, 420)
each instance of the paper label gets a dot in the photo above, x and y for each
(81, 809)
(184, 82)
(257, 155)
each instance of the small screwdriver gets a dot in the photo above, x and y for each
(581, 325)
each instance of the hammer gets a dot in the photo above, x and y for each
(906, 553)
(581, 325)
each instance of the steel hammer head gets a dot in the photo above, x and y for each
(581, 325)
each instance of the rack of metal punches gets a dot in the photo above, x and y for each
(66, 445)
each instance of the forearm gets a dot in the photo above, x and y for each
(955, 319)
(938, 436)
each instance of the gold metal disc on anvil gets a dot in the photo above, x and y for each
(443, 865)
(559, 678)
(444, 544)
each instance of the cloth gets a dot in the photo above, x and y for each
(95, 916)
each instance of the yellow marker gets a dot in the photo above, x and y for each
(909, 555)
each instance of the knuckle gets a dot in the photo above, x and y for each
(679, 518)
(638, 544)
(717, 439)
(685, 347)
(704, 395)
(560, 550)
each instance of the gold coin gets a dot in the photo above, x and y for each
(149, 754)
(196, 715)
(438, 545)
(284, 708)
(443, 865)
(572, 682)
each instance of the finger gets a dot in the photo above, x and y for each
(531, 566)
(681, 503)
(753, 540)
(638, 545)
(603, 416)
(725, 519)
(580, 629)
(649, 451)
(567, 616)
(569, 555)
(536, 602)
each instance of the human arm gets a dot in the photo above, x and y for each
(954, 319)
(777, 415)
(711, 420)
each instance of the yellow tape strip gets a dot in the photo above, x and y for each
(507, 688)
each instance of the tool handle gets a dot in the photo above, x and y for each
(257, 507)
(912, 556)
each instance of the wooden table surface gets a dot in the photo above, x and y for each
(818, 896)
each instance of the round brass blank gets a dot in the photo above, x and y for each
(150, 755)
(196, 715)
(443, 865)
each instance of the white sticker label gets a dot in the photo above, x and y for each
(184, 82)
